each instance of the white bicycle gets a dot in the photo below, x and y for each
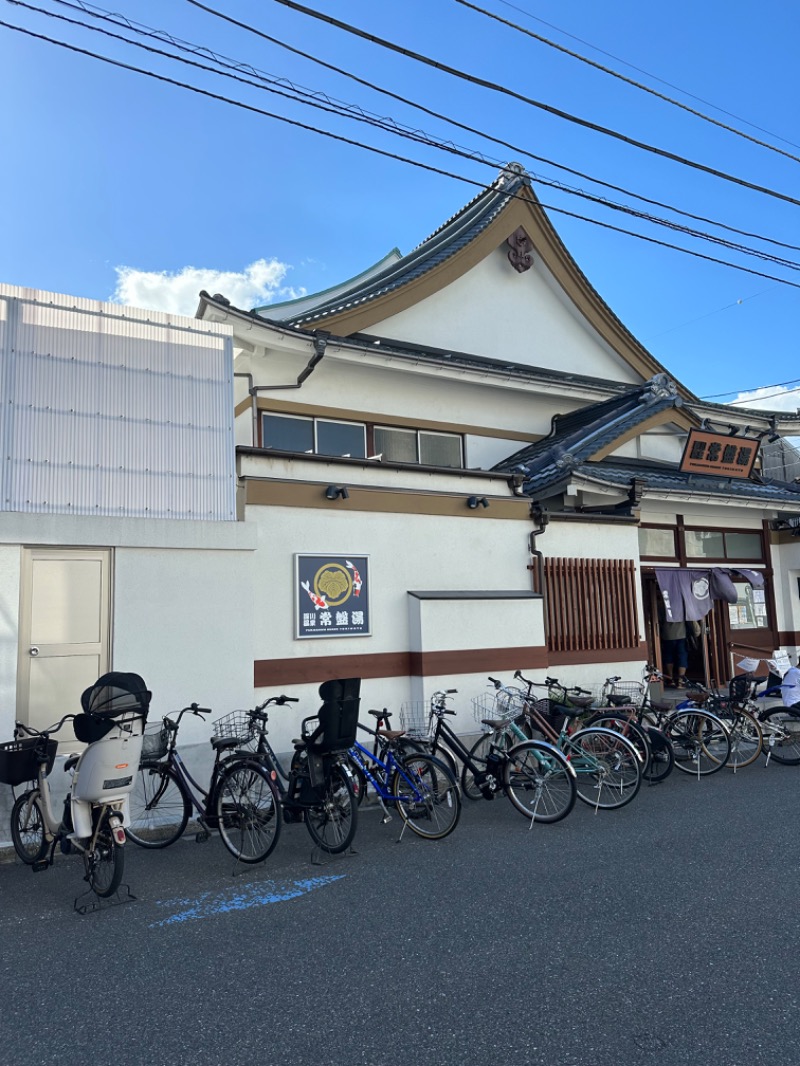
(96, 807)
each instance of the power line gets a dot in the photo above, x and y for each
(774, 385)
(622, 77)
(516, 149)
(380, 151)
(415, 135)
(647, 74)
(549, 108)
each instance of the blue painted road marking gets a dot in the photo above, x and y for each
(235, 899)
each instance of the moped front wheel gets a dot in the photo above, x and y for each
(105, 860)
(27, 828)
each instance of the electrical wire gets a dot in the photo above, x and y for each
(629, 81)
(518, 151)
(549, 108)
(417, 136)
(378, 151)
(647, 74)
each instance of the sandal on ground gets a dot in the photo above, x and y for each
(680, 683)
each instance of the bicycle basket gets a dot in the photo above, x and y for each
(237, 725)
(155, 743)
(499, 706)
(633, 691)
(414, 718)
(19, 761)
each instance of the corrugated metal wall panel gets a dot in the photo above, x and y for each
(111, 411)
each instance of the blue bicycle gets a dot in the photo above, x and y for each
(422, 788)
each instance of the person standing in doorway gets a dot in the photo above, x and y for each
(674, 653)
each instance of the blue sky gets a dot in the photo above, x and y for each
(117, 185)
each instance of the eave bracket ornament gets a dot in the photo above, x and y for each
(520, 255)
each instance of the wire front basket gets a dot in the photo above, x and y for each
(237, 725)
(498, 706)
(415, 719)
(155, 743)
(633, 691)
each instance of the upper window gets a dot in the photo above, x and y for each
(325, 436)
(720, 544)
(316, 436)
(657, 542)
(418, 446)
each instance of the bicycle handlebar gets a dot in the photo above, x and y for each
(20, 727)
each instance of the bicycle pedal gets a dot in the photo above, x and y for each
(202, 837)
(39, 866)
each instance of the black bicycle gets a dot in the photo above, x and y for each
(241, 802)
(537, 778)
(318, 788)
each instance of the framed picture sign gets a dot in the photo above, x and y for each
(331, 596)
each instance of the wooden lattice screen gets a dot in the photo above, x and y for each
(591, 604)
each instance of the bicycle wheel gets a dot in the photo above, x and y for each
(159, 807)
(633, 732)
(332, 823)
(429, 802)
(249, 814)
(781, 736)
(662, 757)
(477, 753)
(607, 767)
(27, 828)
(700, 742)
(747, 739)
(105, 860)
(539, 781)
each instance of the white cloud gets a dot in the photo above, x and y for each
(771, 398)
(178, 293)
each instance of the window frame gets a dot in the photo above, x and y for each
(673, 530)
(369, 428)
(726, 558)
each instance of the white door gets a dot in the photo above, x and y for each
(64, 631)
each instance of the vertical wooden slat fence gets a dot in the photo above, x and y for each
(591, 604)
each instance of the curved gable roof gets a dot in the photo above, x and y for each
(459, 244)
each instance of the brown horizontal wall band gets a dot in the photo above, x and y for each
(789, 637)
(302, 494)
(304, 670)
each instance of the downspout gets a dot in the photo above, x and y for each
(320, 341)
(537, 570)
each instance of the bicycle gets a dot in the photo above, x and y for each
(240, 801)
(402, 742)
(607, 766)
(421, 787)
(619, 709)
(700, 741)
(744, 730)
(780, 725)
(96, 807)
(537, 778)
(317, 788)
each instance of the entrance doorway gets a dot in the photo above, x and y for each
(730, 632)
(64, 633)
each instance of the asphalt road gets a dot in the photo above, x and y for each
(663, 934)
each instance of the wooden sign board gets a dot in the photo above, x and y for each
(719, 454)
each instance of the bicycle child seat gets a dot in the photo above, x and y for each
(337, 717)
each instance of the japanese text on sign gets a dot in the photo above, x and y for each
(718, 453)
(331, 596)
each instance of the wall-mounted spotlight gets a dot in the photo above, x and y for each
(333, 492)
(477, 501)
